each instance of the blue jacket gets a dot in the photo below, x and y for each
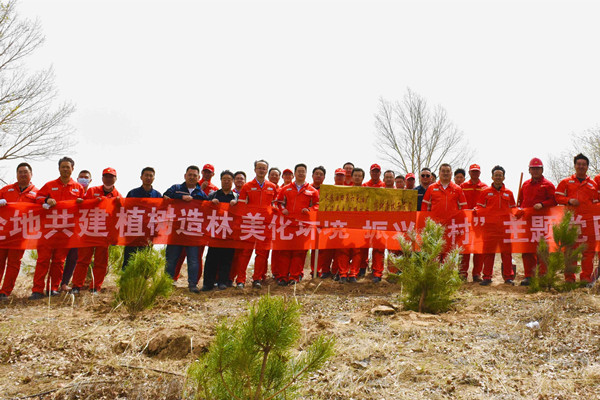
(177, 191)
(140, 193)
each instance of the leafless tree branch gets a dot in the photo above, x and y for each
(31, 125)
(411, 135)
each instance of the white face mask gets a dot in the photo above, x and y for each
(83, 181)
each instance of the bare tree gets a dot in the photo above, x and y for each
(561, 166)
(31, 127)
(411, 135)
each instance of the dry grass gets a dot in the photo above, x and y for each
(85, 349)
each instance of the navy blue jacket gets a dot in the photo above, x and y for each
(177, 191)
(140, 193)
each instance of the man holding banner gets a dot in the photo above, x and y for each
(259, 193)
(297, 197)
(51, 260)
(579, 190)
(10, 259)
(536, 193)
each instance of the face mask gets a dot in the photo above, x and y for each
(83, 181)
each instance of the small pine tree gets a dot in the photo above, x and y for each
(563, 260)
(252, 358)
(143, 280)
(428, 285)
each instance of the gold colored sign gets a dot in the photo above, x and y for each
(356, 198)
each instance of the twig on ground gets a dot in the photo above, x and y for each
(152, 369)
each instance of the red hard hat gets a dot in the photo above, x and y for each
(375, 166)
(340, 171)
(410, 175)
(474, 167)
(536, 163)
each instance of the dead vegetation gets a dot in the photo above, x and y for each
(83, 348)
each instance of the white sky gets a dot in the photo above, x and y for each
(173, 83)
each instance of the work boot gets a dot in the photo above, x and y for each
(282, 282)
(54, 293)
(352, 280)
(240, 286)
(376, 279)
(477, 278)
(36, 296)
(526, 282)
(362, 272)
(336, 277)
(509, 282)
(194, 289)
(343, 279)
(207, 288)
(75, 290)
(486, 282)
(256, 285)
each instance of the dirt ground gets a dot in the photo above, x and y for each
(85, 348)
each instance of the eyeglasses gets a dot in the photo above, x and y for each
(425, 176)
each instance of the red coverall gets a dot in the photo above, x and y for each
(587, 193)
(377, 254)
(444, 201)
(532, 193)
(503, 199)
(51, 261)
(291, 262)
(100, 253)
(326, 257)
(472, 191)
(261, 197)
(207, 190)
(10, 259)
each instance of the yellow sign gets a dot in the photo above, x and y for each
(356, 198)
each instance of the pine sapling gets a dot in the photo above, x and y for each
(428, 283)
(565, 259)
(252, 358)
(143, 281)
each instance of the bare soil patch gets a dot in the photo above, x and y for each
(85, 348)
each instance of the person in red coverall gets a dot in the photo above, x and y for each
(100, 253)
(536, 193)
(497, 197)
(208, 171)
(444, 196)
(274, 175)
(388, 179)
(261, 193)
(325, 255)
(377, 254)
(51, 260)
(410, 181)
(288, 176)
(400, 182)
(459, 176)
(349, 167)
(10, 259)
(349, 260)
(472, 190)
(297, 197)
(579, 190)
(339, 177)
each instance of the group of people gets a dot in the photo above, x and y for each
(64, 269)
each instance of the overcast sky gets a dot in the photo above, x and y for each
(173, 83)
